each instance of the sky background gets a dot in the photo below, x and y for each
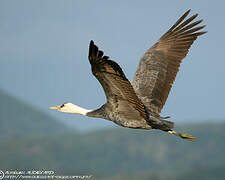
(44, 49)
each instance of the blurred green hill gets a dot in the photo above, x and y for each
(19, 119)
(111, 154)
(122, 154)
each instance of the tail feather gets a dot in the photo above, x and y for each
(182, 135)
(161, 123)
(168, 124)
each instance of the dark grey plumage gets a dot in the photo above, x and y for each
(123, 106)
(158, 67)
(138, 104)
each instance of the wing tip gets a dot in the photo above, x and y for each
(94, 52)
(93, 49)
(91, 42)
(188, 11)
(202, 32)
(195, 15)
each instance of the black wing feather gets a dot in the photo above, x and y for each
(114, 82)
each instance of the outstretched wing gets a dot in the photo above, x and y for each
(158, 67)
(118, 90)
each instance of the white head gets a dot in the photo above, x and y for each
(71, 108)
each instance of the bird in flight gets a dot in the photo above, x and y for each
(137, 104)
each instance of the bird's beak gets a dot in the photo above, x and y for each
(55, 107)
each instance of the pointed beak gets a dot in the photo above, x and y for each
(55, 107)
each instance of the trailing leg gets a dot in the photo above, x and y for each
(182, 135)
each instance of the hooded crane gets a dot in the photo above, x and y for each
(137, 104)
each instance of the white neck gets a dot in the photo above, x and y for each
(72, 108)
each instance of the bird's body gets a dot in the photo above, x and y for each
(137, 104)
(120, 117)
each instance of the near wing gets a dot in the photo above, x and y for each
(158, 67)
(119, 92)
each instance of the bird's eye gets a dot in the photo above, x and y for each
(62, 106)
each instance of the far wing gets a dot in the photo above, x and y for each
(158, 67)
(118, 89)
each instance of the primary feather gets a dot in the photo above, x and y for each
(158, 67)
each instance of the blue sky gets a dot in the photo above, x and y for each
(44, 48)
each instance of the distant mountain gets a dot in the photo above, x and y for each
(122, 154)
(19, 119)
